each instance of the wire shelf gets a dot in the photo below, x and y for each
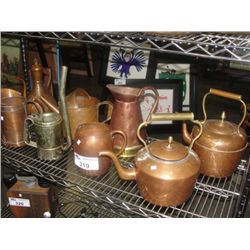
(222, 46)
(211, 197)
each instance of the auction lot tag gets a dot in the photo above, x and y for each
(19, 202)
(88, 163)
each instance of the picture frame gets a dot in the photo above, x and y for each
(117, 73)
(171, 68)
(170, 96)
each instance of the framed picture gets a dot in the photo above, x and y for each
(172, 69)
(170, 96)
(121, 63)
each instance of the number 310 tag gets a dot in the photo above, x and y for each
(87, 163)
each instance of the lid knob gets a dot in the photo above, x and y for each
(223, 116)
(170, 141)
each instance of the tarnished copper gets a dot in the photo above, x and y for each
(38, 89)
(13, 114)
(165, 170)
(221, 144)
(127, 115)
(90, 140)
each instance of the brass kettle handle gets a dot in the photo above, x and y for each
(174, 117)
(156, 101)
(228, 95)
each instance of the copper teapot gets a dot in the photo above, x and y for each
(222, 143)
(165, 171)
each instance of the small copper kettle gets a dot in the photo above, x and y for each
(165, 171)
(222, 143)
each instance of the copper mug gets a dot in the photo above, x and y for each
(13, 114)
(90, 140)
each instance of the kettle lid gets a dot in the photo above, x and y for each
(168, 150)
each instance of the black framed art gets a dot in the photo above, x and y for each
(170, 95)
(161, 67)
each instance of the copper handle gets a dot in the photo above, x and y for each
(37, 105)
(228, 95)
(110, 109)
(24, 85)
(26, 132)
(48, 84)
(156, 100)
(174, 117)
(124, 143)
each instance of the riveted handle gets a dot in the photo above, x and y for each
(227, 95)
(173, 117)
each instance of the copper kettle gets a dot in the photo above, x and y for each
(222, 143)
(165, 171)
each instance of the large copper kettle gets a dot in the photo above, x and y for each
(165, 171)
(222, 143)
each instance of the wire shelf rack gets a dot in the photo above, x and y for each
(212, 45)
(211, 197)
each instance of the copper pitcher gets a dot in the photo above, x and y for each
(90, 140)
(127, 116)
(13, 114)
(165, 170)
(222, 143)
(38, 89)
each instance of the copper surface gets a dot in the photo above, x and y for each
(165, 171)
(38, 89)
(13, 113)
(93, 138)
(221, 144)
(127, 114)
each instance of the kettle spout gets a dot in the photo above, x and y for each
(124, 173)
(185, 134)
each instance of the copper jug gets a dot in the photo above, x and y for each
(38, 89)
(127, 116)
(165, 170)
(13, 114)
(90, 140)
(222, 143)
(48, 128)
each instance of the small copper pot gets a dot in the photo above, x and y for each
(90, 140)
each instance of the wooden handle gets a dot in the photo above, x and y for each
(225, 94)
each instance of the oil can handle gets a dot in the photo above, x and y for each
(27, 132)
(173, 117)
(227, 95)
(156, 99)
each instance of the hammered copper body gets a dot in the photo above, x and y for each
(38, 90)
(127, 115)
(165, 170)
(221, 144)
(91, 139)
